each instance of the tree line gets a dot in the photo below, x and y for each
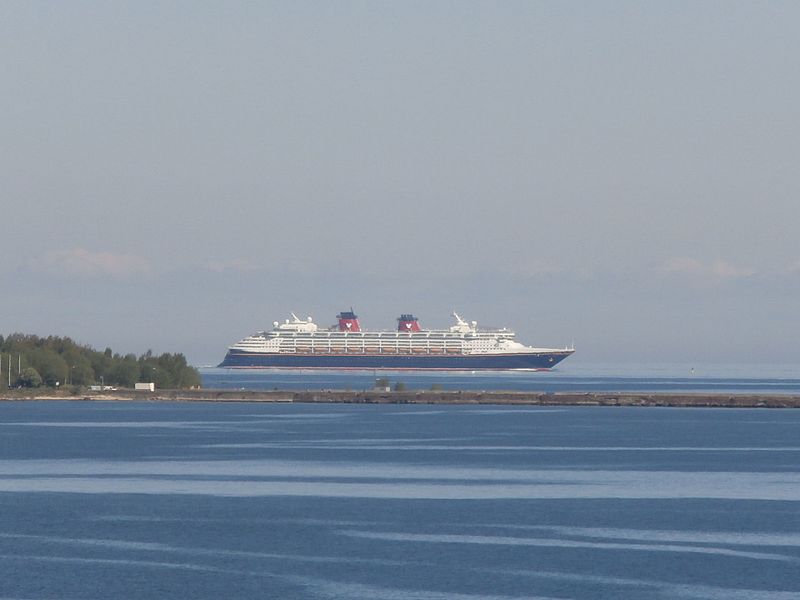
(52, 361)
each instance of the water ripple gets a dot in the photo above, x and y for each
(495, 540)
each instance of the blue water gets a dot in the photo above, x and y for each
(773, 379)
(162, 500)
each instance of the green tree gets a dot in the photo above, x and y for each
(61, 360)
(29, 378)
(102, 363)
(125, 372)
(158, 375)
(81, 373)
(80, 366)
(52, 367)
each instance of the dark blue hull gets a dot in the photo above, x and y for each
(441, 362)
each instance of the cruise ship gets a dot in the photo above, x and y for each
(301, 344)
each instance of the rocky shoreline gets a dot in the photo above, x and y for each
(663, 399)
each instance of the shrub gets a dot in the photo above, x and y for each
(29, 378)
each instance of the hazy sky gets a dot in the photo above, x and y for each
(176, 175)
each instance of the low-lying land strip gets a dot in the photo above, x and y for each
(682, 399)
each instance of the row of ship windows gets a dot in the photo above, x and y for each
(360, 344)
(404, 343)
(382, 344)
(360, 341)
(400, 335)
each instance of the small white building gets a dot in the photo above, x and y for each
(145, 387)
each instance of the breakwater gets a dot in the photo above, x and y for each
(675, 399)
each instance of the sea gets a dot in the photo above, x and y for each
(573, 377)
(143, 500)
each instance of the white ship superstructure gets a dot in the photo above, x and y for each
(297, 335)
